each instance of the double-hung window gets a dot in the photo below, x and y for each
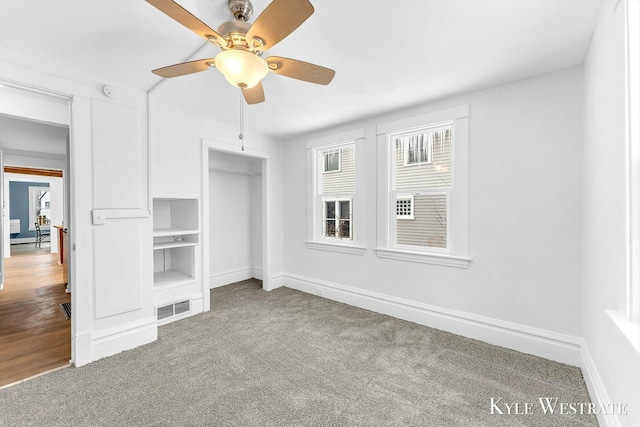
(335, 210)
(335, 188)
(422, 188)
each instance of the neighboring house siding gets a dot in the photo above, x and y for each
(344, 181)
(428, 228)
(426, 175)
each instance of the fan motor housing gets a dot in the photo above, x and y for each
(235, 31)
(241, 9)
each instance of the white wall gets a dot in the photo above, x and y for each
(177, 140)
(255, 225)
(616, 364)
(524, 219)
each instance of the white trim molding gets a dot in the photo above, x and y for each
(539, 342)
(230, 276)
(596, 388)
(335, 247)
(425, 258)
(112, 341)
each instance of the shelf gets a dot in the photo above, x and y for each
(166, 232)
(169, 245)
(170, 277)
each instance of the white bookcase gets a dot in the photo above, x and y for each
(176, 233)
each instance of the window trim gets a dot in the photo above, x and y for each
(33, 218)
(632, 108)
(457, 255)
(338, 213)
(315, 240)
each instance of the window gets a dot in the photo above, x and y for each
(422, 196)
(336, 221)
(39, 206)
(422, 167)
(404, 206)
(417, 149)
(331, 161)
(336, 190)
(334, 205)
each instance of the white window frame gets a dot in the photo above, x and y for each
(408, 197)
(627, 318)
(324, 161)
(33, 218)
(429, 151)
(338, 216)
(457, 252)
(632, 31)
(315, 239)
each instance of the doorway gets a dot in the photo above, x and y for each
(35, 331)
(235, 224)
(255, 166)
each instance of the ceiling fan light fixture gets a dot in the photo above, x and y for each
(241, 68)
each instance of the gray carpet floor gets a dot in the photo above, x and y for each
(288, 358)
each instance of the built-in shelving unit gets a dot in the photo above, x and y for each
(176, 233)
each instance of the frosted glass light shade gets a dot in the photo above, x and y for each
(240, 68)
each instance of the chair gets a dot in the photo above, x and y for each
(41, 235)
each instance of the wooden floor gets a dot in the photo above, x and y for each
(34, 334)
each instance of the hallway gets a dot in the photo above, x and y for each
(34, 334)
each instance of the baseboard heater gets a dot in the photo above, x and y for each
(173, 309)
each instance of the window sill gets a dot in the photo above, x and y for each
(436, 259)
(335, 247)
(630, 329)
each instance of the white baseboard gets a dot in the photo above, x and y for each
(123, 337)
(21, 240)
(227, 277)
(275, 281)
(257, 273)
(596, 389)
(539, 342)
(81, 349)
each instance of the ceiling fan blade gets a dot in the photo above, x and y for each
(184, 68)
(277, 21)
(300, 70)
(255, 95)
(184, 17)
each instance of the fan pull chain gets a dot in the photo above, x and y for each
(241, 136)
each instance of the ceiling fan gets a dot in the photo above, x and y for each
(243, 43)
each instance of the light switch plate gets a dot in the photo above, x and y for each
(99, 216)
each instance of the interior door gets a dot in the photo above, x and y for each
(3, 203)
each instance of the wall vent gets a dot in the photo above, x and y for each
(173, 309)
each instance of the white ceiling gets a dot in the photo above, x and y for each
(387, 54)
(26, 135)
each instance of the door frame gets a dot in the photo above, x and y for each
(210, 145)
(77, 96)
